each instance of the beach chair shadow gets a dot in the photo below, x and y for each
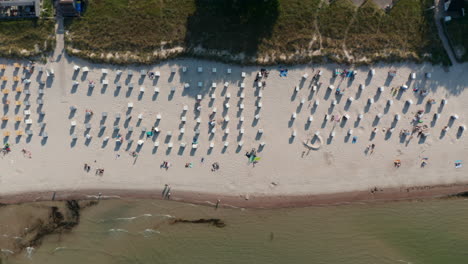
(117, 91)
(117, 146)
(129, 92)
(347, 137)
(104, 143)
(73, 142)
(104, 88)
(377, 95)
(129, 145)
(193, 151)
(117, 78)
(299, 108)
(399, 94)
(356, 123)
(170, 96)
(422, 139)
(291, 122)
(441, 107)
(291, 139)
(155, 150)
(140, 96)
(181, 151)
(311, 95)
(367, 108)
(388, 80)
(358, 94)
(368, 79)
(459, 132)
(347, 105)
(387, 108)
(44, 141)
(442, 134)
(372, 136)
(331, 108)
(388, 135)
(293, 95)
(168, 151)
(307, 125)
(329, 140)
(90, 91)
(155, 96)
(376, 121)
(405, 108)
(450, 122)
(238, 149)
(327, 94)
(343, 122)
(313, 109)
(74, 88)
(324, 123)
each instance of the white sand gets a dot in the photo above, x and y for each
(337, 166)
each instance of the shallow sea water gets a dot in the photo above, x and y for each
(140, 231)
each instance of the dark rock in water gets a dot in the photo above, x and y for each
(214, 221)
(458, 195)
(47, 219)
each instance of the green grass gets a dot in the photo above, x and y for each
(273, 31)
(457, 31)
(26, 38)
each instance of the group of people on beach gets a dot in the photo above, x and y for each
(99, 171)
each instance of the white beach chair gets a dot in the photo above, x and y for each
(200, 84)
(130, 105)
(243, 74)
(226, 84)
(157, 74)
(140, 142)
(85, 69)
(242, 85)
(200, 69)
(214, 70)
(156, 89)
(156, 144)
(104, 71)
(142, 89)
(213, 85)
(229, 71)
(212, 145)
(186, 85)
(76, 68)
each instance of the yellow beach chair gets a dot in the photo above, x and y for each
(16, 78)
(19, 132)
(19, 89)
(5, 118)
(6, 133)
(4, 78)
(18, 103)
(18, 118)
(6, 91)
(2, 67)
(16, 65)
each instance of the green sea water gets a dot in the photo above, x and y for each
(141, 231)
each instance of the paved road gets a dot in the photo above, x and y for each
(438, 15)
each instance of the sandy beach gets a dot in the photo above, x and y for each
(287, 166)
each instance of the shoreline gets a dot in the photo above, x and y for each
(252, 201)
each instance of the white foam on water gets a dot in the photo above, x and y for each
(149, 232)
(118, 230)
(7, 251)
(29, 252)
(58, 249)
